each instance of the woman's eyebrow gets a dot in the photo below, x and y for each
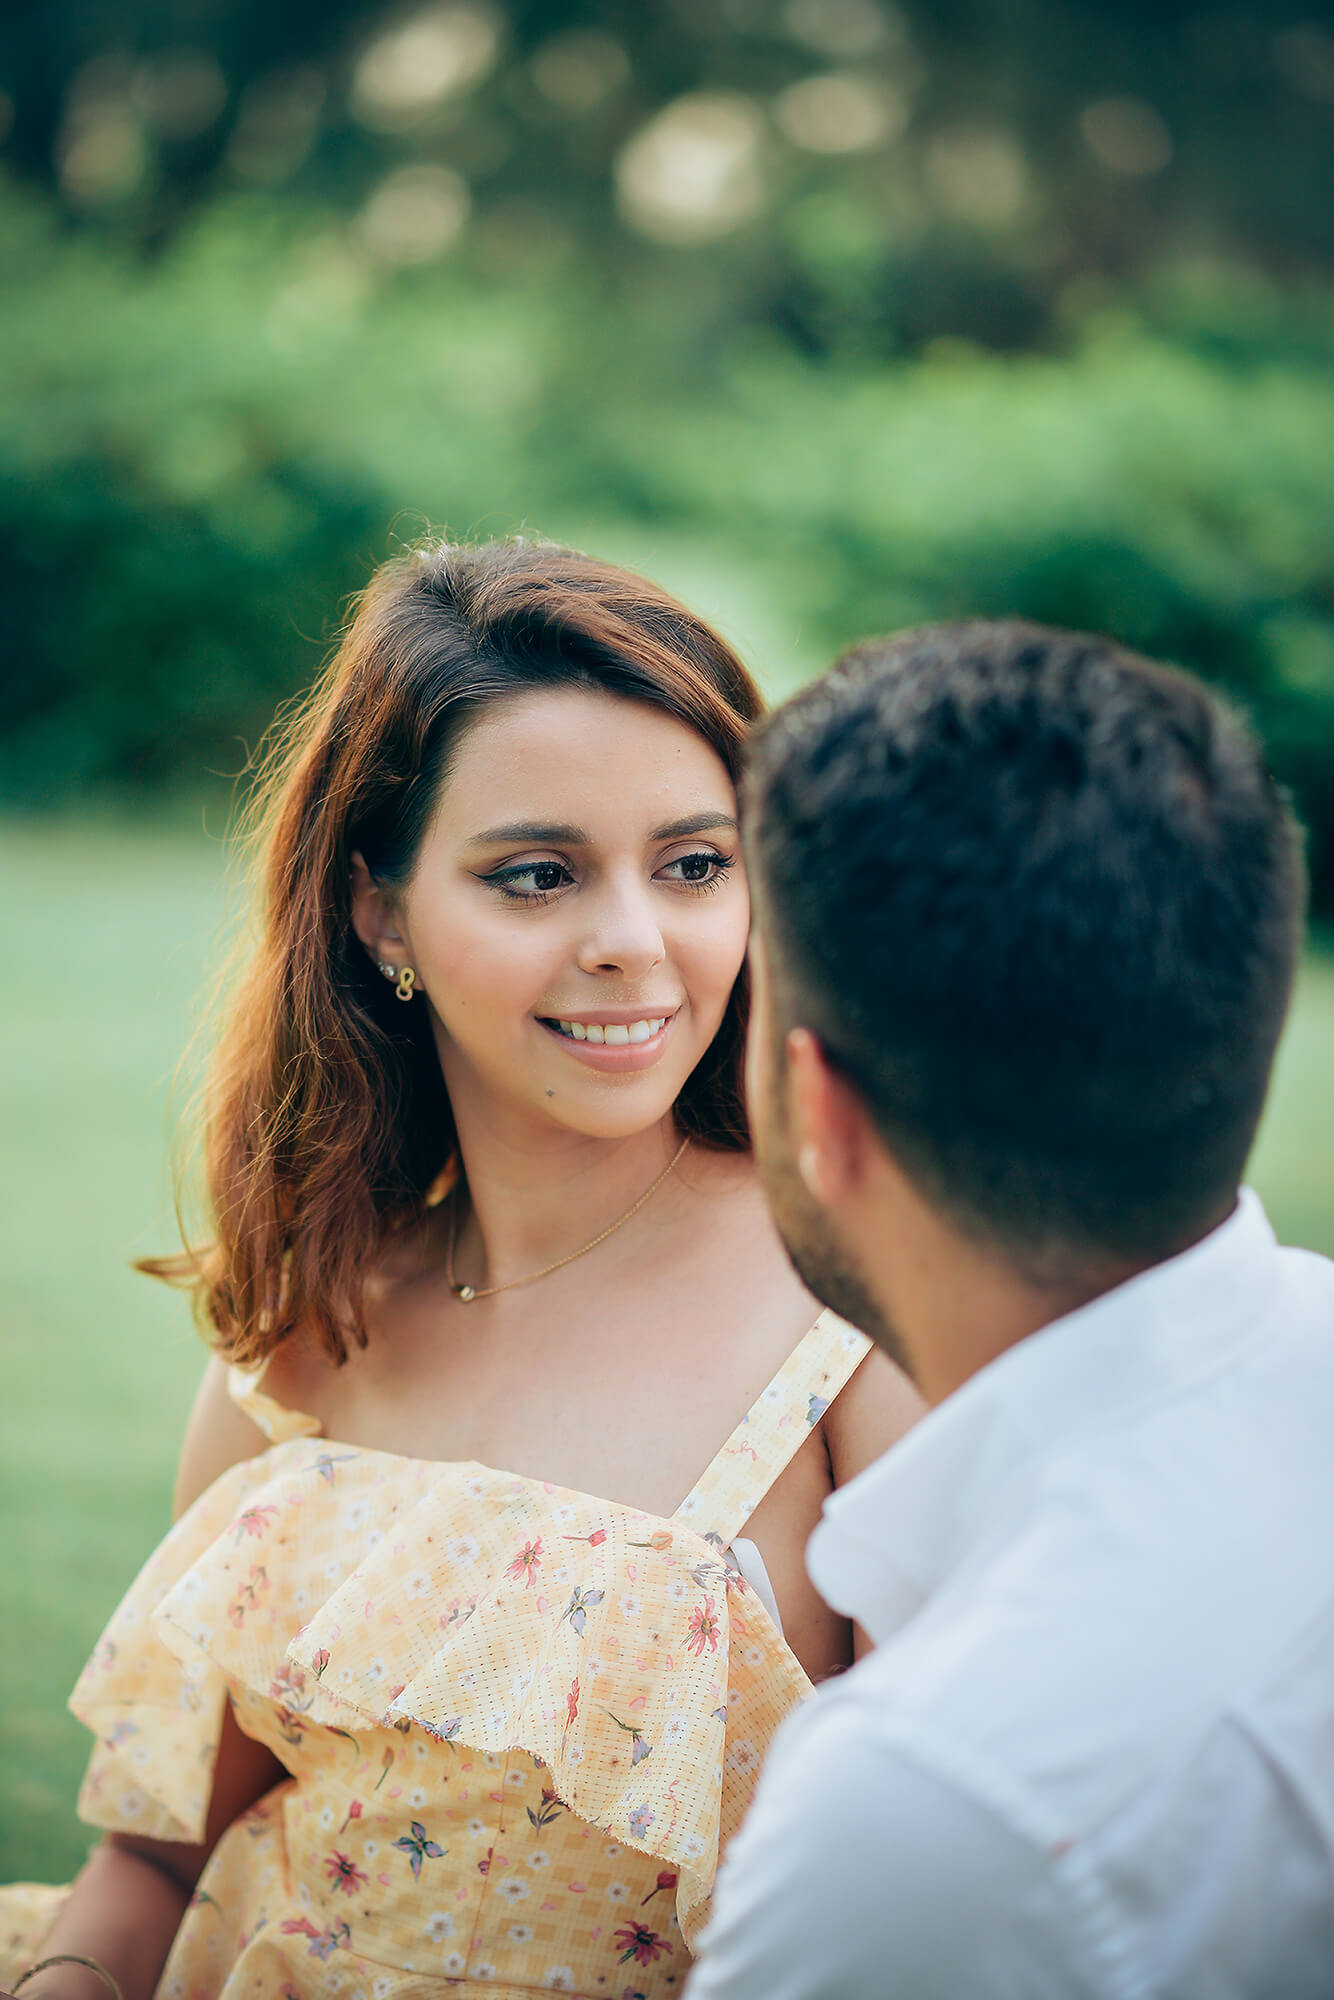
(553, 832)
(532, 829)
(700, 822)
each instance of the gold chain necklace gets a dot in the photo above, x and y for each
(465, 1294)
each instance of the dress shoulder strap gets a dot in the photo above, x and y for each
(735, 1481)
(278, 1423)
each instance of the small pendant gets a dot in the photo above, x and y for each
(465, 1293)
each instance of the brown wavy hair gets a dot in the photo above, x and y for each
(325, 1117)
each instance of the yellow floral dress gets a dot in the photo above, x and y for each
(520, 1722)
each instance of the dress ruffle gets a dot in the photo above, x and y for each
(521, 1723)
(157, 1716)
(621, 1650)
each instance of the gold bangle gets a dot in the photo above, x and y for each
(72, 1958)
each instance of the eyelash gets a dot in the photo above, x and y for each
(502, 877)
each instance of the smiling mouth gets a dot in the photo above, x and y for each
(612, 1034)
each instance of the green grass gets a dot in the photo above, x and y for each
(109, 934)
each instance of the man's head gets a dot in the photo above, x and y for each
(1036, 904)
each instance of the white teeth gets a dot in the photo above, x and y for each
(617, 1034)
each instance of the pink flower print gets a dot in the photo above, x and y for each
(703, 1628)
(641, 1819)
(323, 1944)
(640, 1748)
(666, 1880)
(551, 1808)
(815, 1408)
(353, 1812)
(321, 1662)
(595, 1540)
(644, 1946)
(417, 1847)
(571, 1712)
(659, 1541)
(248, 1595)
(288, 1688)
(525, 1564)
(291, 1728)
(344, 1873)
(254, 1521)
(579, 1606)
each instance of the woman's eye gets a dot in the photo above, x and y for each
(533, 882)
(699, 871)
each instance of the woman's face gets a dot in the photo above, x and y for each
(578, 914)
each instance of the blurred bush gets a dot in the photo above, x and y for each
(201, 455)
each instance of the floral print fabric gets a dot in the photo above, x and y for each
(520, 1722)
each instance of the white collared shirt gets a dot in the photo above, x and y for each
(1092, 1755)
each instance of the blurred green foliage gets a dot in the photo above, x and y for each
(885, 311)
(201, 455)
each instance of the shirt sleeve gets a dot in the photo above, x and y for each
(860, 1871)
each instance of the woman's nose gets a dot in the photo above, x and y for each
(624, 936)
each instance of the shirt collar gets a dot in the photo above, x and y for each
(891, 1535)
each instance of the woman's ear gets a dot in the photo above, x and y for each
(373, 916)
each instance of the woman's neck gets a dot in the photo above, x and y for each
(536, 1193)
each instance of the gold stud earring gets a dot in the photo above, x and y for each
(407, 979)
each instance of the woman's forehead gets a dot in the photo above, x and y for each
(579, 758)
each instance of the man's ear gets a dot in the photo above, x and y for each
(373, 917)
(830, 1129)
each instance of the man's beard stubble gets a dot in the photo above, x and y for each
(822, 1263)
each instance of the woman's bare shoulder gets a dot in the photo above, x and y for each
(218, 1435)
(221, 1432)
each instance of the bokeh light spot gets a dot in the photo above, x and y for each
(578, 70)
(694, 172)
(440, 53)
(1126, 135)
(842, 27)
(415, 214)
(180, 94)
(977, 173)
(276, 125)
(840, 113)
(101, 154)
(1304, 57)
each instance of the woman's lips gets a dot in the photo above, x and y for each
(612, 1057)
